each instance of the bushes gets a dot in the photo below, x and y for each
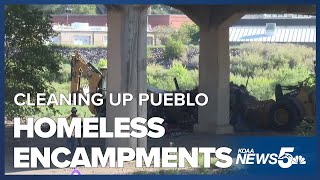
(274, 56)
(270, 64)
(266, 64)
(263, 82)
(188, 34)
(163, 78)
(103, 63)
(261, 85)
(149, 54)
(164, 33)
(307, 127)
(246, 63)
(186, 79)
(65, 74)
(174, 49)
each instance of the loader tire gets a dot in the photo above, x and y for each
(284, 115)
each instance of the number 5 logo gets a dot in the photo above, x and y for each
(285, 158)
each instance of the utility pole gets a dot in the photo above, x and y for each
(68, 11)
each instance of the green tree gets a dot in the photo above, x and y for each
(61, 8)
(84, 9)
(164, 33)
(30, 65)
(162, 9)
(188, 34)
(174, 49)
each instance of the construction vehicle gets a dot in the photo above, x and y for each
(284, 114)
(290, 108)
(176, 117)
(96, 78)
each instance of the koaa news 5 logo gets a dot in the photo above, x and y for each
(284, 158)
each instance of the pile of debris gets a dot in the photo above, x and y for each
(247, 113)
(176, 117)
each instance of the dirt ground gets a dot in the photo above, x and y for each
(177, 139)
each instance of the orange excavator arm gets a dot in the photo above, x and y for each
(81, 68)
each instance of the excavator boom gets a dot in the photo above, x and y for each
(81, 68)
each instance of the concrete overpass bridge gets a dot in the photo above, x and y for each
(127, 48)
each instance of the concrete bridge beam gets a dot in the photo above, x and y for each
(214, 72)
(127, 47)
(214, 64)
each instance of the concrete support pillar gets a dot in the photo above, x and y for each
(214, 73)
(127, 41)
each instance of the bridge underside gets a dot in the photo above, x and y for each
(127, 41)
